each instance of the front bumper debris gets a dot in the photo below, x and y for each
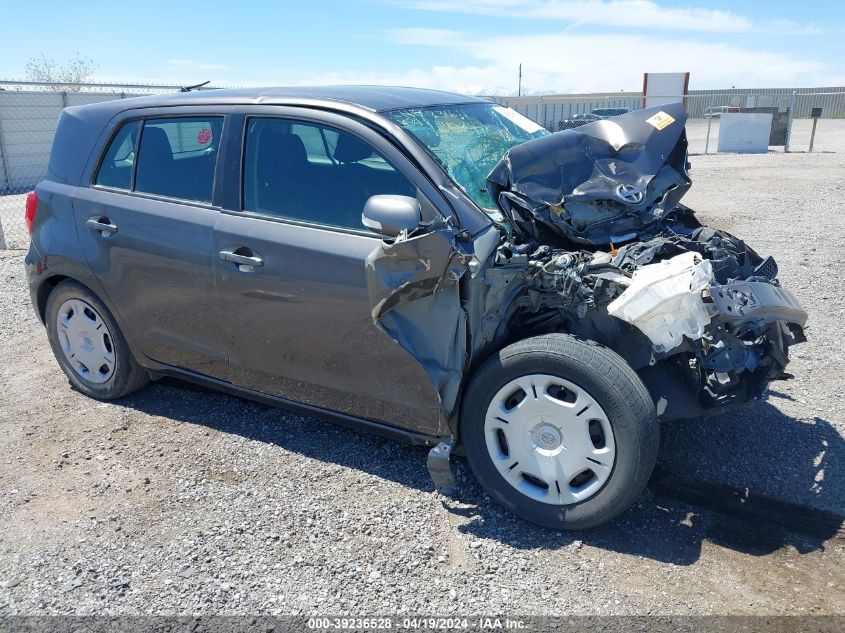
(757, 302)
(440, 468)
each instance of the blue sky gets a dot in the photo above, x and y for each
(470, 46)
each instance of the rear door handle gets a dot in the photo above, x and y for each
(245, 259)
(102, 225)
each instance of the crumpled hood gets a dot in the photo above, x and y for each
(603, 182)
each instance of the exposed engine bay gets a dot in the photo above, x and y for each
(687, 306)
(594, 242)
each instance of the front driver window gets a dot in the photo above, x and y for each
(302, 171)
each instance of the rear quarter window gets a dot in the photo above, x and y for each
(116, 167)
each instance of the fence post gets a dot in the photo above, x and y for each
(790, 113)
(3, 166)
(813, 133)
(709, 122)
(8, 183)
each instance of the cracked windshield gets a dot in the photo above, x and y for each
(468, 140)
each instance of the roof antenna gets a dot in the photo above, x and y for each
(196, 87)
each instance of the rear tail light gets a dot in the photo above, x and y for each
(31, 206)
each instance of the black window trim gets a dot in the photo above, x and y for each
(316, 121)
(105, 150)
(224, 116)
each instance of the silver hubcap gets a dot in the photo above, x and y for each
(549, 439)
(85, 340)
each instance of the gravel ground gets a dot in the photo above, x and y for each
(12, 223)
(177, 500)
(792, 446)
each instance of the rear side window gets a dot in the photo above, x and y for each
(116, 168)
(177, 157)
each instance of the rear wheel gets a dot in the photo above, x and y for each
(560, 431)
(88, 344)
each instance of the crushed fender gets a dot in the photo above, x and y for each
(415, 294)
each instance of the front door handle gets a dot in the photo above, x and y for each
(101, 225)
(245, 258)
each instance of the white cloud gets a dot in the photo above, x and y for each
(619, 13)
(487, 79)
(553, 62)
(569, 62)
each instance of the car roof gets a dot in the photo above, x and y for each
(80, 126)
(373, 98)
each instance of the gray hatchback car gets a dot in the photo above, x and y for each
(430, 266)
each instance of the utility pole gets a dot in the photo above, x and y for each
(519, 90)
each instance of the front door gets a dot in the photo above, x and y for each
(290, 272)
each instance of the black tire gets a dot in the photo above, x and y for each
(128, 376)
(611, 382)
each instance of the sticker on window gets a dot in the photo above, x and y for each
(660, 120)
(515, 117)
(204, 136)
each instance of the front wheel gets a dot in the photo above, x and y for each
(560, 431)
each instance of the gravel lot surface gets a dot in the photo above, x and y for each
(178, 500)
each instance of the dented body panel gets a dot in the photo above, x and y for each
(414, 290)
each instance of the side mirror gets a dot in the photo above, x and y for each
(389, 215)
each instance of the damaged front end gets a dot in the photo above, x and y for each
(594, 243)
(696, 312)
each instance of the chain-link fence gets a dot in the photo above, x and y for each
(28, 115)
(719, 121)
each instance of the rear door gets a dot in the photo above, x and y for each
(146, 226)
(297, 307)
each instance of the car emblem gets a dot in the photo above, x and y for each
(629, 193)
